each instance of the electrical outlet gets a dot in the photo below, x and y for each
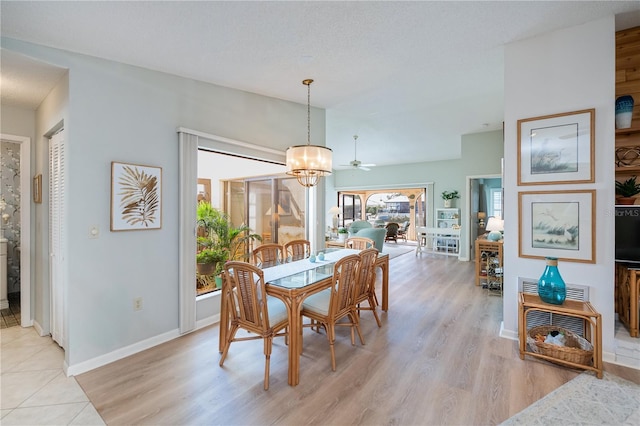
(137, 304)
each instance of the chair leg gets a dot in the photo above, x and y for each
(227, 344)
(268, 341)
(331, 334)
(375, 298)
(356, 324)
(373, 305)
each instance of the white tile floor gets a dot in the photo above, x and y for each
(34, 389)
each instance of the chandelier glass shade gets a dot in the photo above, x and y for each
(308, 163)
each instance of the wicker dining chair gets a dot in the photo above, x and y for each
(366, 286)
(251, 309)
(337, 302)
(297, 250)
(267, 255)
(359, 243)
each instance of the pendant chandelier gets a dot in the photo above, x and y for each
(308, 163)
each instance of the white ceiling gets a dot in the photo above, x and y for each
(408, 77)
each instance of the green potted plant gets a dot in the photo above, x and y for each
(627, 190)
(342, 233)
(211, 260)
(448, 197)
(219, 240)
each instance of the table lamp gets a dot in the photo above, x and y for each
(495, 226)
(481, 218)
(335, 211)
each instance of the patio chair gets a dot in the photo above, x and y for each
(392, 232)
(402, 231)
(251, 309)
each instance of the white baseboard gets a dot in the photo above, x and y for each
(205, 322)
(508, 334)
(110, 357)
(39, 329)
(105, 359)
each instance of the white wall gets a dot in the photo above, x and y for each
(115, 112)
(481, 155)
(567, 70)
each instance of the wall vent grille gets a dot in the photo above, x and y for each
(537, 318)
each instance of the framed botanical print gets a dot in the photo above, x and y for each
(557, 149)
(557, 224)
(136, 197)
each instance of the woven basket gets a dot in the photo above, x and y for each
(577, 349)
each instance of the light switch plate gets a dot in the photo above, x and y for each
(94, 232)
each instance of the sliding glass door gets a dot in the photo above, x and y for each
(274, 207)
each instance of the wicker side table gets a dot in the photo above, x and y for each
(573, 308)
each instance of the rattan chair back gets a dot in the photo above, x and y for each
(297, 250)
(267, 255)
(366, 282)
(339, 304)
(247, 302)
(359, 243)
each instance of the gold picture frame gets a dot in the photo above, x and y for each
(37, 189)
(557, 149)
(136, 197)
(557, 224)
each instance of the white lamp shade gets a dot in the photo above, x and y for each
(495, 225)
(334, 210)
(308, 163)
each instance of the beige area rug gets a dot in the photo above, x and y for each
(395, 251)
(585, 400)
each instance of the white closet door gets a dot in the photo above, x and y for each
(57, 269)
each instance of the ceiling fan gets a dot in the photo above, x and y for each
(355, 163)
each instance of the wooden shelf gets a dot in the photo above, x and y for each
(627, 143)
(629, 131)
(627, 159)
(489, 264)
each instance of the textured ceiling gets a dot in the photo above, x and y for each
(411, 74)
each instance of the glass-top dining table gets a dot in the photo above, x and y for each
(292, 283)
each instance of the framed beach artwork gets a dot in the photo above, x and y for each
(136, 197)
(557, 224)
(557, 149)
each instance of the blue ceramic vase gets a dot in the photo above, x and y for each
(551, 287)
(624, 111)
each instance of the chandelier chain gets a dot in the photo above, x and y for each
(308, 83)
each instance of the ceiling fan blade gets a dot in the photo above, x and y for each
(367, 165)
(366, 169)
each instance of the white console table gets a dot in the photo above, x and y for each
(4, 302)
(438, 240)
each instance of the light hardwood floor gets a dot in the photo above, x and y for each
(436, 360)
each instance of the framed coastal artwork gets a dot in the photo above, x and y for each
(136, 197)
(558, 224)
(557, 149)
